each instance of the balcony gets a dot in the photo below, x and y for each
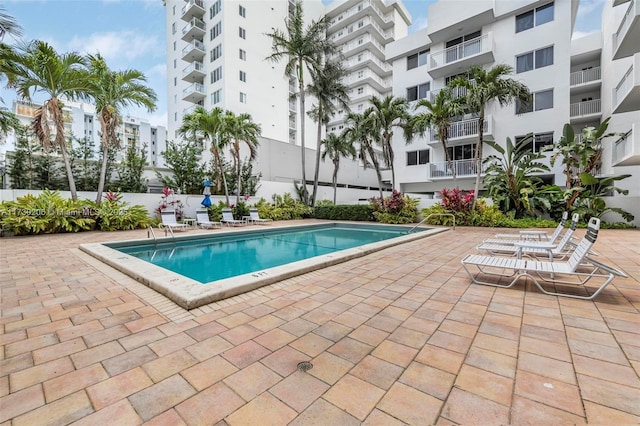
(619, 2)
(457, 58)
(456, 92)
(371, 78)
(193, 72)
(626, 150)
(193, 93)
(585, 80)
(580, 112)
(626, 95)
(465, 129)
(625, 40)
(355, 47)
(192, 9)
(367, 59)
(463, 168)
(195, 29)
(193, 51)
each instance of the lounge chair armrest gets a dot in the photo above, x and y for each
(607, 268)
(533, 232)
(535, 244)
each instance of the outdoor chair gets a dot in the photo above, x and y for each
(169, 221)
(255, 217)
(577, 270)
(227, 218)
(202, 219)
(531, 235)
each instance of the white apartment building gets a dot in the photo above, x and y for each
(580, 82)
(361, 29)
(81, 121)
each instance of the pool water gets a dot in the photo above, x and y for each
(219, 257)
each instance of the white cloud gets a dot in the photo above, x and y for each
(158, 119)
(420, 23)
(587, 7)
(580, 34)
(117, 47)
(157, 71)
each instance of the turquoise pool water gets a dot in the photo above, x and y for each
(223, 256)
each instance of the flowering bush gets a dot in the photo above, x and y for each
(457, 200)
(394, 209)
(393, 204)
(169, 201)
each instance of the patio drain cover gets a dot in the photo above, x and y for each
(305, 366)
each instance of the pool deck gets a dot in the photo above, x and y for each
(399, 336)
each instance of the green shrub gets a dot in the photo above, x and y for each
(357, 212)
(487, 216)
(395, 209)
(113, 214)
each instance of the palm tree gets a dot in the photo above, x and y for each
(359, 131)
(484, 86)
(336, 146)
(112, 91)
(211, 126)
(302, 49)
(437, 115)
(331, 96)
(37, 67)
(242, 130)
(385, 114)
(8, 25)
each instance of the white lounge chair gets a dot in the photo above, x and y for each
(227, 218)
(577, 270)
(255, 217)
(202, 219)
(169, 221)
(532, 234)
(555, 251)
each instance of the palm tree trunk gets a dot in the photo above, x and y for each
(317, 171)
(238, 168)
(220, 166)
(103, 166)
(479, 157)
(376, 166)
(336, 164)
(449, 162)
(63, 150)
(302, 144)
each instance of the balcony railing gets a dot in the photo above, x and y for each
(193, 44)
(585, 76)
(190, 3)
(194, 66)
(460, 51)
(462, 167)
(460, 129)
(622, 148)
(193, 88)
(195, 22)
(580, 109)
(624, 25)
(623, 88)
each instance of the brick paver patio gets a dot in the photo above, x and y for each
(399, 336)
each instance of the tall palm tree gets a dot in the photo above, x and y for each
(385, 115)
(242, 130)
(484, 86)
(437, 115)
(331, 96)
(336, 146)
(37, 67)
(303, 50)
(211, 126)
(8, 25)
(359, 132)
(112, 91)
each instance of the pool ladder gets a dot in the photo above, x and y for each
(434, 214)
(151, 233)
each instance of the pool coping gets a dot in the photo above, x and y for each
(190, 294)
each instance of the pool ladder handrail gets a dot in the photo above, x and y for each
(151, 233)
(434, 214)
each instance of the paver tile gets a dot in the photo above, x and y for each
(210, 405)
(492, 361)
(378, 417)
(355, 396)
(548, 367)
(485, 384)
(322, 413)
(263, 410)
(311, 344)
(58, 350)
(620, 397)
(245, 354)
(168, 418)
(443, 359)
(96, 354)
(377, 372)
(428, 379)
(161, 396)
(40, 373)
(600, 414)
(128, 360)
(467, 408)
(350, 349)
(62, 411)
(208, 372)
(527, 412)
(20, 402)
(161, 368)
(173, 343)
(549, 391)
(275, 339)
(285, 360)
(122, 412)
(73, 381)
(369, 335)
(410, 405)
(118, 387)
(395, 353)
(299, 390)
(252, 380)
(208, 348)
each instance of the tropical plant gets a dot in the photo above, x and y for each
(303, 49)
(183, 159)
(591, 202)
(84, 166)
(112, 91)
(359, 133)
(456, 200)
(8, 25)
(485, 86)
(37, 67)
(169, 201)
(336, 146)
(22, 163)
(395, 208)
(211, 126)
(437, 115)
(113, 214)
(383, 116)
(242, 131)
(510, 178)
(331, 96)
(131, 168)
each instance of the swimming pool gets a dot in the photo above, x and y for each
(196, 269)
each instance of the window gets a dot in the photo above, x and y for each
(216, 52)
(173, 28)
(174, 46)
(533, 18)
(216, 97)
(216, 74)
(360, 74)
(418, 92)
(243, 76)
(175, 81)
(417, 157)
(360, 107)
(242, 11)
(243, 55)
(215, 9)
(360, 24)
(216, 30)
(462, 152)
(360, 90)
(174, 10)
(175, 63)
(533, 60)
(540, 140)
(360, 40)
(175, 116)
(417, 60)
(242, 33)
(539, 101)
(243, 98)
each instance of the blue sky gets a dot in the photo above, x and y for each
(130, 33)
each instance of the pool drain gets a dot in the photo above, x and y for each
(305, 366)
